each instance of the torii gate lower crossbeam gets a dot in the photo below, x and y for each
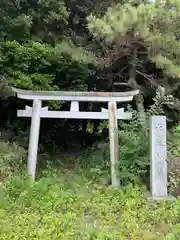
(112, 114)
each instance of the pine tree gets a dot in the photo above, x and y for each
(145, 37)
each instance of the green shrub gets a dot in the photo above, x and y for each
(11, 159)
(174, 141)
(174, 160)
(70, 206)
(134, 160)
(133, 157)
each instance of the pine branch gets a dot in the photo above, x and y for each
(150, 79)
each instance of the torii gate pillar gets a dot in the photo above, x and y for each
(34, 138)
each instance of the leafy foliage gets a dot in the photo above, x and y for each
(72, 207)
(12, 159)
(35, 50)
(134, 26)
(38, 66)
(137, 46)
(133, 152)
(41, 20)
(174, 159)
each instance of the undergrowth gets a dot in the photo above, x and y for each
(70, 206)
(71, 199)
(12, 158)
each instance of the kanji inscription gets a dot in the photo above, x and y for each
(158, 156)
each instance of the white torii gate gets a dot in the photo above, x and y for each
(37, 112)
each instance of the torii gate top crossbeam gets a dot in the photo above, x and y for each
(76, 96)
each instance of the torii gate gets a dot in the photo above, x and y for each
(112, 114)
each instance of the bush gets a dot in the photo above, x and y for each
(11, 159)
(133, 157)
(72, 207)
(134, 160)
(174, 160)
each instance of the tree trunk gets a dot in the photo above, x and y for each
(138, 98)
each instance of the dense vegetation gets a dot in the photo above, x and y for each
(110, 45)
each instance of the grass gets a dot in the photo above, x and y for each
(71, 200)
(73, 205)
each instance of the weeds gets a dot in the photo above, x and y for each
(76, 203)
(73, 207)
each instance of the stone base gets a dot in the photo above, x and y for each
(166, 198)
(114, 187)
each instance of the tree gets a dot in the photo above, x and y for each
(36, 51)
(44, 20)
(136, 39)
